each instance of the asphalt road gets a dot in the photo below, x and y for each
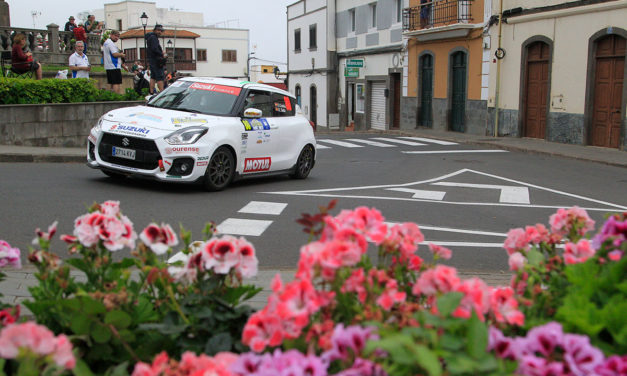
(462, 197)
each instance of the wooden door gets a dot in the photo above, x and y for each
(537, 90)
(458, 108)
(313, 105)
(426, 90)
(608, 91)
(396, 101)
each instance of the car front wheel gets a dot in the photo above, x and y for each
(304, 164)
(220, 170)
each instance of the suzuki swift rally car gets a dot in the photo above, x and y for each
(210, 130)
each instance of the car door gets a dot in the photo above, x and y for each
(260, 139)
(290, 129)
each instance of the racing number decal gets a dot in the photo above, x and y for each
(256, 124)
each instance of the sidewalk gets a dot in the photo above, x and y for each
(15, 286)
(613, 157)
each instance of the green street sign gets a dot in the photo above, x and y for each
(351, 72)
(355, 63)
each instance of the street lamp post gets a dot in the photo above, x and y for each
(144, 20)
(173, 67)
(250, 57)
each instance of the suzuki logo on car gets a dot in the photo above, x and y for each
(126, 142)
(257, 164)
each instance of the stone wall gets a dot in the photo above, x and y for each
(57, 124)
(100, 78)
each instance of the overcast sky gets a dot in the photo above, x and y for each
(266, 19)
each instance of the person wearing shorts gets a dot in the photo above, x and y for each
(156, 58)
(113, 61)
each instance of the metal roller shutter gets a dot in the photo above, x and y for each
(377, 105)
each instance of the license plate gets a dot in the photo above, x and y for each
(123, 153)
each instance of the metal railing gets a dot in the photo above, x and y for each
(436, 13)
(184, 65)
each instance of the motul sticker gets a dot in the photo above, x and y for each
(217, 88)
(257, 164)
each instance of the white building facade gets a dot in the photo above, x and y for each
(312, 60)
(126, 15)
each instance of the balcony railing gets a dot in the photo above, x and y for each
(187, 65)
(436, 13)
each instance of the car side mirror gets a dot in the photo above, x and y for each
(252, 113)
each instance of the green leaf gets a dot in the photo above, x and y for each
(219, 342)
(81, 368)
(79, 264)
(477, 337)
(117, 318)
(534, 257)
(428, 360)
(80, 324)
(448, 302)
(100, 333)
(91, 306)
(118, 370)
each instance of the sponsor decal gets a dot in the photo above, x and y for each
(256, 124)
(145, 116)
(279, 107)
(182, 149)
(203, 158)
(244, 142)
(257, 164)
(173, 177)
(129, 129)
(217, 88)
(188, 121)
(288, 103)
(91, 138)
(167, 162)
(203, 163)
(259, 141)
(267, 134)
(244, 136)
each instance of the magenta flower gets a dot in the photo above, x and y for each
(9, 256)
(581, 357)
(348, 342)
(613, 366)
(279, 363)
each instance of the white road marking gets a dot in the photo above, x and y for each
(455, 151)
(340, 143)
(263, 207)
(246, 227)
(418, 193)
(439, 142)
(395, 140)
(512, 195)
(456, 230)
(318, 146)
(371, 143)
(322, 193)
(464, 244)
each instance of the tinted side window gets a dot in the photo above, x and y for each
(282, 105)
(261, 100)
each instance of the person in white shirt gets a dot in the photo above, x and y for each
(113, 61)
(79, 63)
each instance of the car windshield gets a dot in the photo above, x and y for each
(197, 97)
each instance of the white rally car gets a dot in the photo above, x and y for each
(206, 129)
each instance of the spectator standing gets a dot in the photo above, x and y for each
(21, 61)
(78, 62)
(79, 34)
(113, 61)
(92, 26)
(70, 25)
(156, 58)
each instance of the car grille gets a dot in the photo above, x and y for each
(147, 154)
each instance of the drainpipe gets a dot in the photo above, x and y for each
(498, 75)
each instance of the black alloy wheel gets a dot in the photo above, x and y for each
(304, 164)
(220, 170)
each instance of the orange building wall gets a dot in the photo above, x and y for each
(441, 50)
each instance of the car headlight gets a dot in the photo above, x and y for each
(185, 136)
(96, 129)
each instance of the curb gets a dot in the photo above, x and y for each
(41, 158)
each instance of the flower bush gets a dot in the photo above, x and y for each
(362, 301)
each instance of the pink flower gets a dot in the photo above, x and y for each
(414, 263)
(262, 329)
(581, 357)
(440, 252)
(516, 261)
(107, 225)
(577, 253)
(406, 237)
(442, 279)
(516, 241)
(615, 255)
(297, 301)
(9, 256)
(159, 239)
(501, 345)
(348, 342)
(390, 295)
(52, 229)
(221, 254)
(564, 220)
(476, 297)
(537, 234)
(355, 283)
(247, 266)
(613, 366)
(38, 340)
(505, 307)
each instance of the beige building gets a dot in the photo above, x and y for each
(561, 75)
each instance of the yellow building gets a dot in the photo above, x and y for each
(448, 64)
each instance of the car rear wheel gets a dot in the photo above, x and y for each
(113, 175)
(304, 164)
(220, 170)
